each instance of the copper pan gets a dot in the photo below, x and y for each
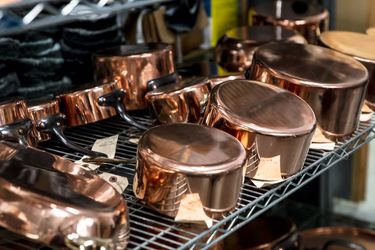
(216, 80)
(234, 50)
(361, 47)
(133, 66)
(270, 122)
(182, 101)
(333, 84)
(307, 17)
(183, 158)
(59, 203)
(95, 102)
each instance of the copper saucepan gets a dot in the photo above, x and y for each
(307, 17)
(182, 101)
(234, 50)
(271, 123)
(183, 158)
(133, 66)
(95, 102)
(332, 83)
(59, 203)
(216, 80)
(359, 46)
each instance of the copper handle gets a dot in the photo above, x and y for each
(161, 81)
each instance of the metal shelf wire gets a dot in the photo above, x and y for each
(150, 230)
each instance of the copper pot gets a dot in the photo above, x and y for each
(234, 51)
(359, 46)
(133, 66)
(308, 18)
(182, 101)
(182, 158)
(57, 202)
(14, 124)
(95, 102)
(216, 80)
(333, 84)
(271, 123)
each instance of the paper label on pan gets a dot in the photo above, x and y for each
(260, 184)
(134, 140)
(319, 141)
(117, 182)
(366, 109)
(365, 117)
(269, 169)
(191, 211)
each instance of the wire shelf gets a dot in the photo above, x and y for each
(150, 230)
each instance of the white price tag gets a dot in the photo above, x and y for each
(260, 184)
(269, 169)
(319, 141)
(118, 182)
(134, 140)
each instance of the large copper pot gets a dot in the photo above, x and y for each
(271, 123)
(59, 203)
(133, 66)
(307, 17)
(182, 101)
(359, 46)
(182, 158)
(234, 51)
(332, 83)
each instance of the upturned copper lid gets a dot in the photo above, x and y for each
(361, 46)
(132, 50)
(263, 108)
(311, 65)
(192, 149)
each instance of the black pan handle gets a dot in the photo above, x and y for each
(343, 243)
(54, 124)
(18, 131)
(161, 81)
(115, 99)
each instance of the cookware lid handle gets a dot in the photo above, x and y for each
(343, 243)
(115, 99)
(161, 81)
(18, 131)
(53, 124)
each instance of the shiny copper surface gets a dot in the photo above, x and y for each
(182, 101)
(332, 83)
(216, 80)
(308, 18)
(267, 120)
(134, 66)
(361, 47)
(12, 110)
(82, 107)
(181, 158)
(56, 201)
(234, 51)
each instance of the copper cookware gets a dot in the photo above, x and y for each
(307, 17)
(359, 46)
(216, 80)
(14, 124)
(270, 122)
(181, 158)
(234, 51)
(133, 66)
(332, 83)
(95, 102)
(182, 101)
(57, 202)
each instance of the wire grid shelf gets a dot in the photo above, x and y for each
(150, 230)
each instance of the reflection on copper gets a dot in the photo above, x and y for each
(12, 110)
(216, 80)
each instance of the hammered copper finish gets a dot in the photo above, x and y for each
(332, 83)
(359, 46)
(267, 120)
(133, 66)
(183, 101)
(12, 110)
(82, 107)
(57, 202)
(234, 51)
(216, 80)
(307, 17)
(181, 158)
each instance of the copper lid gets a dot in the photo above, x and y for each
(311, 65)
(192, 149)
(299, 11)
(215, 80)
(361, 46)
(133, 50)
(263, 108)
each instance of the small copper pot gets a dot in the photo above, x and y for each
(95, 102)
(270, 122)
(308, 18)
(234, 51)
(183, 158)
(359, 46)
(332, 83)
(216, 80)
(133, 66)
(182, 101)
